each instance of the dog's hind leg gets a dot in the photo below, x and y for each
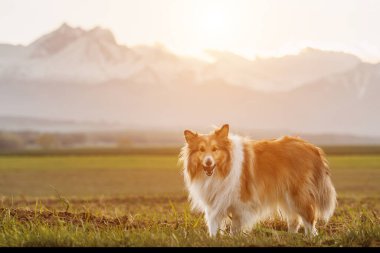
(294, 222)
(309, 220)
(288, 209)
(305, 208)
(310, 227)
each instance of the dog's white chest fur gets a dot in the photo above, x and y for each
(224, 192)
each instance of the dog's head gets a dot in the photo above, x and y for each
(208, 153)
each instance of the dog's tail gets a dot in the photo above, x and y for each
(326, 200)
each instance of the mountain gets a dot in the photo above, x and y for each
(349, 101)
(73, 55)
(85, 75)
(283, 73)
(92, 57)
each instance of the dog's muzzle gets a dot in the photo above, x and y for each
(209, 169)
(208, 165)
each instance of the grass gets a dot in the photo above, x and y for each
(140, 200)
(89, 162)
(86, 176)
(162, 222)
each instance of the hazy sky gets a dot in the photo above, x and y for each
(247, 27)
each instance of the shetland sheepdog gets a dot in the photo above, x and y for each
(238, 181)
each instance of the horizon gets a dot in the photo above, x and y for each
(222, 26)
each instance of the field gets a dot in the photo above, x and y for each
(132, 199)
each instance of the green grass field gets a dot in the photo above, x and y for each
(140, 200)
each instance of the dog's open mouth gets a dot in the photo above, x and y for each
(209, 170)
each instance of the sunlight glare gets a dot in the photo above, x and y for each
(215, 25)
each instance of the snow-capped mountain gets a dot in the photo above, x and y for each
(283, 73)
(74, 55)
(85, 75)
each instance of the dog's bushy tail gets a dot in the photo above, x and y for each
(326, 201)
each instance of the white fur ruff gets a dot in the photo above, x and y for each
(225, 192)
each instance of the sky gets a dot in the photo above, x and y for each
(247, 27)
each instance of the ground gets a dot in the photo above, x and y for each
(140, 200)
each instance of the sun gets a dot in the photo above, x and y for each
(214, 25)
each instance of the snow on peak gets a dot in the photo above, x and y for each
(55, 41)
(66, 35)
(72, 54)
(102, 34)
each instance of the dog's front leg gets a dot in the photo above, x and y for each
(213, 222)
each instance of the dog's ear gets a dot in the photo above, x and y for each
(189, 136)
(223, 131)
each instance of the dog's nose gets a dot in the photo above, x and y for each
(208, 162)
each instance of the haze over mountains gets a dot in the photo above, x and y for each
(84, 75)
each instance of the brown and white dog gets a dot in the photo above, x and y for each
(227, 175)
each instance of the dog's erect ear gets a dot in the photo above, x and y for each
(223, 131)
(189, 136)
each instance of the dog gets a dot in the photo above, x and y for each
(241, 181)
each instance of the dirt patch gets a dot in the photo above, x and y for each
(54, 218)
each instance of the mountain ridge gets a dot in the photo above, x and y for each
(94, 57)
(89, 79)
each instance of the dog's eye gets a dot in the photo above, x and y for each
(214, 149)
(202, 149)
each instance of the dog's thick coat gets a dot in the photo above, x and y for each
(227, 175)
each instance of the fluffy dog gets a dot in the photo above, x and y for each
(230, 176)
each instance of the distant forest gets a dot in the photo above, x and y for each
(133, 141)
(38, 140)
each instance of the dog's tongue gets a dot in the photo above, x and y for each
(209, 170)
